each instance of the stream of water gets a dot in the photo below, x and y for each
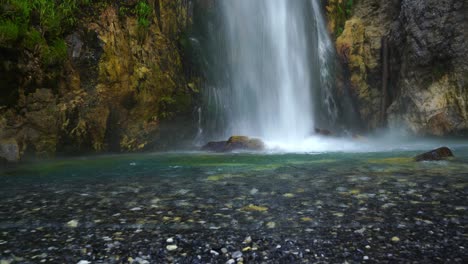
(277, 76)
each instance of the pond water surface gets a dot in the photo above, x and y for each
(244, 207)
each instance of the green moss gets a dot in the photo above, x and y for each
(33, 38)
(9, 32)
(143, 11)
(339, 11)
(39, 25)
(55, 53)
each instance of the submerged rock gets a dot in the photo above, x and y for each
(436, 154)
(235, 143)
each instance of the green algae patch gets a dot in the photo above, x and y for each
(396, 160)
(267, 167)
(317, 161)
(219, 177)
(254, 208)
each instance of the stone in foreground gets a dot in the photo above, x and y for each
(235, 143)
(436, 154)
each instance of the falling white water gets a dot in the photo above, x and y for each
(326, 56)
(272, 75)
(270, 89)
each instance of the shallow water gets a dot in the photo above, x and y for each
(281, 208)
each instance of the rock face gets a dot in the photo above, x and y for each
(436, 154)
(429, 44)
(406, 64)
(120, 83)
(235, 143)
(359, 49)
(9, 150)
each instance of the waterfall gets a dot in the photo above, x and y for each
(271, 78)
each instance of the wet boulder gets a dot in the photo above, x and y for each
(235, 143)
(216, 146)
(244, 143)
(436, 154)
(323, 132)
(9, 150)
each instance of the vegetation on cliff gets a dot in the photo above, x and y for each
(338, 11)
(39, 26)
(93, 76)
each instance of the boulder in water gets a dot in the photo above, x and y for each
(244, 143)
(436, 154)
(235, 143)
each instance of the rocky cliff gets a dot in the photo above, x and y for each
(125, 73)
(405, 62)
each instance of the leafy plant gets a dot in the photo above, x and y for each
(55, 53)
(9, 31)
(143, 12)
(38, 25)
(340, 10)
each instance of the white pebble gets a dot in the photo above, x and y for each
(365, 258)
(170, 240)
(73, 223)
(171, 247)
(253, 191)
(83, 262)
(237, 254)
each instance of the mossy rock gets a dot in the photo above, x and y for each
(244, 143)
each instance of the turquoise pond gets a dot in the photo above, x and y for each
(316, 207)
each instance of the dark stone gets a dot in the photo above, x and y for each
(216, 146)
(436, 154)
(235, 143)
(323, 132)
